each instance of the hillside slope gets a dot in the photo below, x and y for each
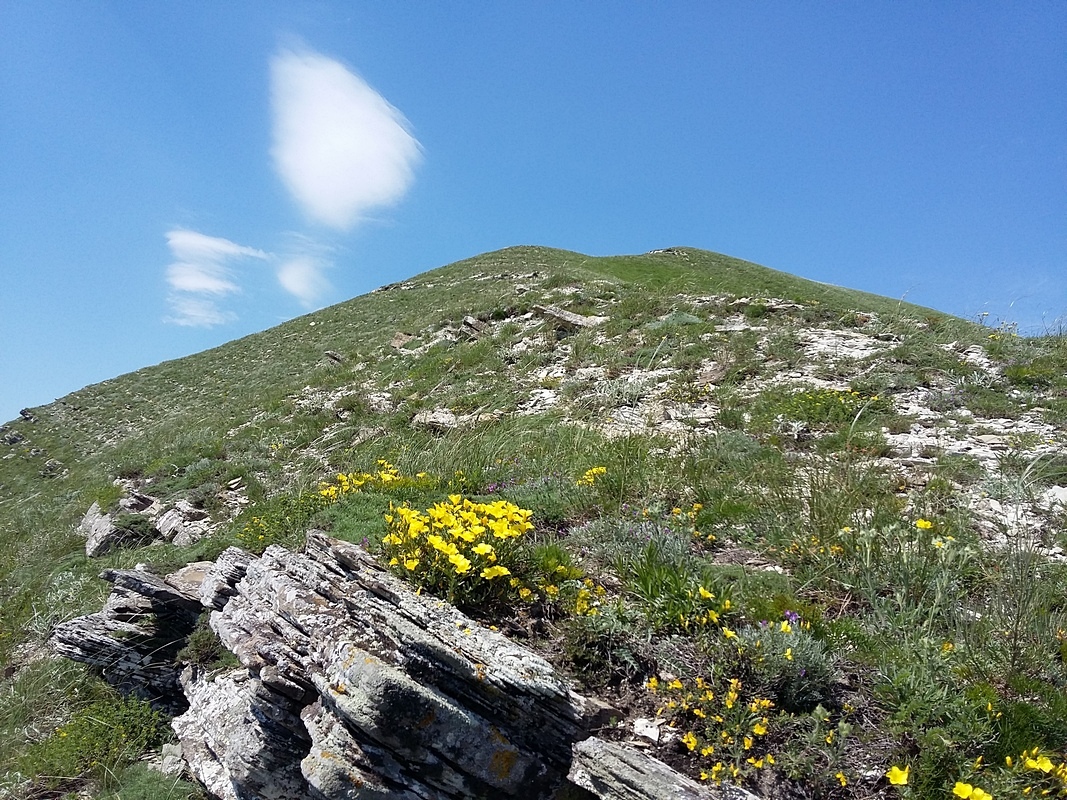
(736, 460)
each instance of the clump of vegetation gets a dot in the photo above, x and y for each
(204, 648)
(138, 526)
(98, 741)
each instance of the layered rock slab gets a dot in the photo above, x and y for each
(396, 690)
(352, 685)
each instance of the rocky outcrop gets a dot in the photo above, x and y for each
(134, 639)
(140, 521)
(184, 524)
(99, 531)
(353, 686)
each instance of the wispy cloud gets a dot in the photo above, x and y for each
(339, 146)
(304, 278)
(201, 274)
(302, 266)
(196, 312)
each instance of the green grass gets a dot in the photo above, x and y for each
(651, 555)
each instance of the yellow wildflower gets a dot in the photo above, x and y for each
(898, 776)
(1043, 763)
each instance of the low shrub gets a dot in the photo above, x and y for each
(98, 741)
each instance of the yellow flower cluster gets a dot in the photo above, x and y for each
(456, 545)
(829, 406)
(385, 477)
(1032, 774)
(724, 730)
(590, 476)
(253, 533)
(1042, 775)
(967, 790)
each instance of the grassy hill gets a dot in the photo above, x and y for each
(839, 509)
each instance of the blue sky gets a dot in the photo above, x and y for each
(174, 175)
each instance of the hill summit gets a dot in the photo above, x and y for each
(692, 518)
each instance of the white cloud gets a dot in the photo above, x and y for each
(339, 146)
(189, 245)
(304, 278)
(200, 274)
(210, 278)
(196, 312)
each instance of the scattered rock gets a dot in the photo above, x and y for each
(838, 345)
(648, 728)
(138, 503)
(568, 319)
(97, 528)
(1053, 496)
(170, 761)
(52, 467)
(184, 524)
(380, 402)
(474, 327)
(439, 419)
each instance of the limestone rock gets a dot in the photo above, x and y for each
(439, 419)
(611, 771)
(133, 640)
(239, 738)
(138, 503)
(568, 319)
(188, 580)
(184, 524)
(99, 531)
(433, 701)
(220, 582)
